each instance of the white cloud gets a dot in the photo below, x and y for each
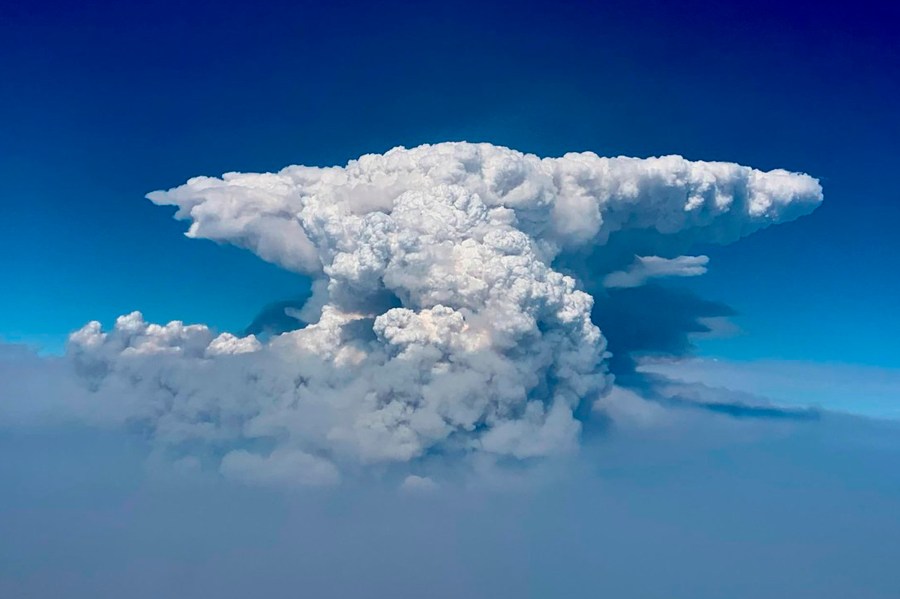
(649, 267)
(439, 320)
(299, 216)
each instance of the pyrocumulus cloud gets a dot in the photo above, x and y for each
(441, 322)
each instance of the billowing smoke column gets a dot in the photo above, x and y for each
(441, 319)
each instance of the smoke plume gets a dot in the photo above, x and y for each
(450, 311)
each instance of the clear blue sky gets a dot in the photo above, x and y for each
(101, 104)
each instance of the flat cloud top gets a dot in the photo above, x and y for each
(578, 199)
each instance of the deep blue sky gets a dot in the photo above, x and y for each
(102, 103)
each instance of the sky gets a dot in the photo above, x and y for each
(638, 395)
(106, 102)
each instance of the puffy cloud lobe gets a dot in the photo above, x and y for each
(438, 320)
